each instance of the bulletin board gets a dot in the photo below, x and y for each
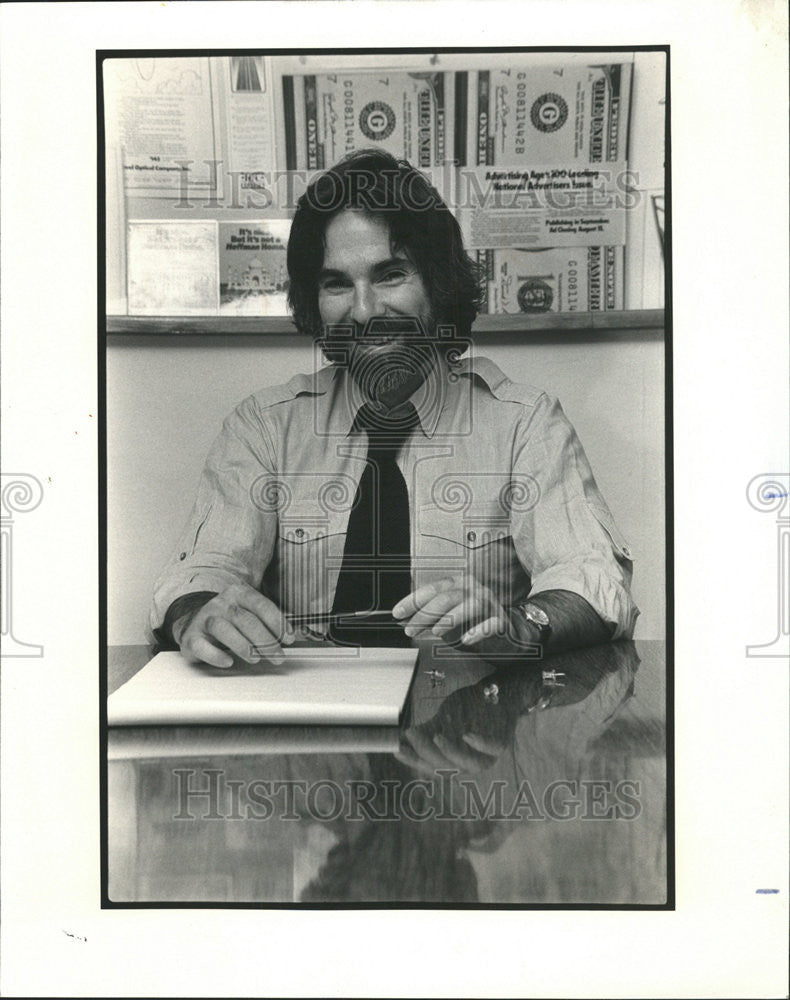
(553, 163)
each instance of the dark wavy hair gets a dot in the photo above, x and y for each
(420, 225)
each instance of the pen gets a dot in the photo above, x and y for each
(329, 617)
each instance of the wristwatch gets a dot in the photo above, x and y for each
(537, 617)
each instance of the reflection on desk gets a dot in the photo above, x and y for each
(538, 784)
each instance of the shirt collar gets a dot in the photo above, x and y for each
(344, 399)
(342, 403)
(484, 368)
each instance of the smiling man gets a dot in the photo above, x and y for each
(364, 279)
(401, 481)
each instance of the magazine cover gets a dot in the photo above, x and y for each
(172, 268)
(252, 267)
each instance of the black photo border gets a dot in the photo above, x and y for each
(105, 902)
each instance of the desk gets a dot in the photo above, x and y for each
(501, 786)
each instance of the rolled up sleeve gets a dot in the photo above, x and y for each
(566, 538)
(230, 533)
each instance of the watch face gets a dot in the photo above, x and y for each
(537, 615)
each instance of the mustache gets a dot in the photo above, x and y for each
(378, 327)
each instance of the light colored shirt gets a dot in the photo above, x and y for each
(498, 483)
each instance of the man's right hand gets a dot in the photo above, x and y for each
(239, 622)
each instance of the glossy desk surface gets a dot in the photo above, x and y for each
(501, 786)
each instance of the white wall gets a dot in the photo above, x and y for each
(166, 398)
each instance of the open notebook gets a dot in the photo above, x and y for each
(325, 685)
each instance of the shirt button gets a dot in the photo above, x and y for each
(471, 536)
(299, 532)
(183, 555)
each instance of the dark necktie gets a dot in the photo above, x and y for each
(376, 569)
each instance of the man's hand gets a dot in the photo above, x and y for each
(457, 603)
(238, 621)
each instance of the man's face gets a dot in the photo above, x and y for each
(367, 285)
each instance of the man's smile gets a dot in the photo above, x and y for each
(378, 343)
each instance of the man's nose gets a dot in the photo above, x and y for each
(367, 303)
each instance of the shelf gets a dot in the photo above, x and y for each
(630, 319)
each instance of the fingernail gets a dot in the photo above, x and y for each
(437, 629)
(397, 611)
(466, 638)
(411, 630)
(288, 638)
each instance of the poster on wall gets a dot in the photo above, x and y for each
(408, 114)
(160, 113)
(115, 233)
(249, 119)
(573, 279)
(567, 115)
(252, 267)
(543, 168)
(172, 268)
(644, 267)
(520, 212)
(542, 183)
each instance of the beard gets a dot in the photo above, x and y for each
(392, 357)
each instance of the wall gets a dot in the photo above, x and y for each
(166, 398)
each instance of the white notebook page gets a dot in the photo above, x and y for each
(319, 686)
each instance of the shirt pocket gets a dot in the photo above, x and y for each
(310, 543)
(309, 525)
(477, 525)
(313, 508)
(476, 541)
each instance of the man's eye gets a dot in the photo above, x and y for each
(334, 285)
(393, 276)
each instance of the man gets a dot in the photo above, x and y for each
(401, 478)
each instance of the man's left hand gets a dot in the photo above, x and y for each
(457, 603)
